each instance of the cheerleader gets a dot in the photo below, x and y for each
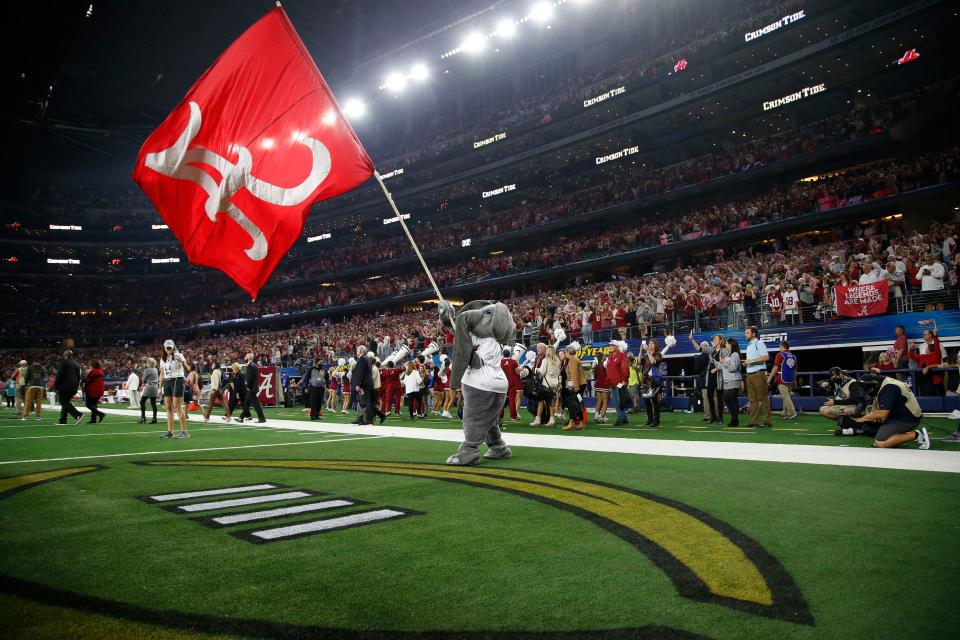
(333, 389)
(345, 371)
(438, 397)
(172, 382)
(448, 395)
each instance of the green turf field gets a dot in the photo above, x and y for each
(553, 543)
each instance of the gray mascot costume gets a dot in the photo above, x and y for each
(480, 330)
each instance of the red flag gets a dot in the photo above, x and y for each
(862, 300)
(256, 141)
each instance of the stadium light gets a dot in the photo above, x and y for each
(506, 28)
(354, 108)
(395, 82)
(419, 72)
(328, 119)
(541, 12)
(474, 43)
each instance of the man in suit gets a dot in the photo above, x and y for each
(361, 381)
(252, 385)
(67, 383)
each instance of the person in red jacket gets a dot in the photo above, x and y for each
(618, 373)
(929, 382)
(514, 383)
(392, 396)
(93, 390)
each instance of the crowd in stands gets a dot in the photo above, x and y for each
(637, 182)
(856, 185)
(788, 281)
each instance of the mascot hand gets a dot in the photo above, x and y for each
(447, 314)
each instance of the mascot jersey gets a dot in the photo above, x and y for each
(489, 376)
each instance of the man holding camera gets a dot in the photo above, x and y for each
(846, 395)
(895, 413)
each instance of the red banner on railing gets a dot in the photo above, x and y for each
(862, 300)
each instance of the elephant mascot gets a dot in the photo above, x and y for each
(480, 330)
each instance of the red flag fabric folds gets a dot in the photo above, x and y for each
(256, 141)
(862, 300)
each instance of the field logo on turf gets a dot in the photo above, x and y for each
(268, 507)
(705, 558)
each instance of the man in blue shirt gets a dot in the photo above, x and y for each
(756, 363)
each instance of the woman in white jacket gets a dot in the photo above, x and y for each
(411, 381)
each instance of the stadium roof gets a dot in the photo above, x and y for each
(128, 63)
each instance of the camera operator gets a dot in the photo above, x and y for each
(847, 396)
(895, 412)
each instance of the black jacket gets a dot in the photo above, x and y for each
(68, 377)
(362, 377)
(252, 378)
(701, 367)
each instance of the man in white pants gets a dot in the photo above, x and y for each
(133, 389)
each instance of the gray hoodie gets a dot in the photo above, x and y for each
(731, 371)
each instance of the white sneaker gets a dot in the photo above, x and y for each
(923, 440)
(551, 423)
(535, 423)
(954, 415)
(446, 414)
(225, 418)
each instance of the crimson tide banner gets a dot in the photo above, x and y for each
(269, 386)
(862, 300)
(256, 141)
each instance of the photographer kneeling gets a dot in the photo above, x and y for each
(847, 396)
(895, 413)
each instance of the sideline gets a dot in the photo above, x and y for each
(901, 459)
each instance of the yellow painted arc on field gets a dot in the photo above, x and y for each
(719, 563)
(25, 481)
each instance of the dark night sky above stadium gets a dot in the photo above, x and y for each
(116, 74)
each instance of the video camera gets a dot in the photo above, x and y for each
(866, 390)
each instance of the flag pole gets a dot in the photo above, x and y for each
(406, 230)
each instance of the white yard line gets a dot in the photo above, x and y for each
(167, 451)
(904, 459)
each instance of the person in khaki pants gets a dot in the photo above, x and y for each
(784, 373)
(756, 363)
(33, 397)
